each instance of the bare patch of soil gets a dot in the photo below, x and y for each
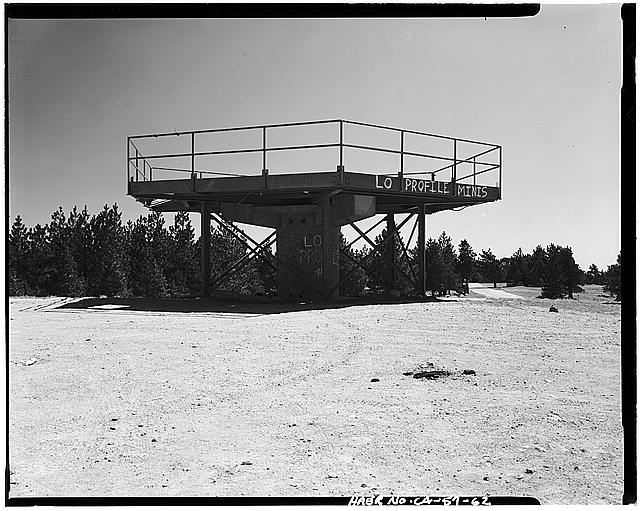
(130, 402)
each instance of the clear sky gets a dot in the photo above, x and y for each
(546, 88)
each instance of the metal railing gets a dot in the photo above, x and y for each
(140, 166)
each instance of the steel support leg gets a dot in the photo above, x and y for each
(391, 253)
(205, 248)
(422, 233)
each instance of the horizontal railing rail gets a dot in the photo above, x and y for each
(140, 166)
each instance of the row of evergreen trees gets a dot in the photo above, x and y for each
(82, 255)
(552, 268)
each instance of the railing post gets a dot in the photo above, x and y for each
(340, 180)
(137, 170)
(128, 162)
(193, 154)
(500, 179)
(401, 173)
(474, 171)
(264, 147)
(454, 168)
(150, 171)
(265, 170)
(341, 144)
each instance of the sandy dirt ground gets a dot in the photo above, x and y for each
(110, 401)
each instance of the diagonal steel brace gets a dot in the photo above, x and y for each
(373, 245)
(359, 264)
(238, 233)
(229, 226)
(245, 259)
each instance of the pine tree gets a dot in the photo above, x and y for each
(561, 273)
(466, 261)
(77, 258)
(571, 272)
(490, 266)
(537, 265)
(137, 256)
(17, 258)
(146, 248)
(66, 278)
(107, 273)
(352, 277)
(181, 258)
(450, 279)
(39, 261)
(158, 240)
(434, 267)
(613, 279)
(594, 275)
(552, 274)
(516, 269)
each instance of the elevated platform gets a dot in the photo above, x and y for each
(198, 171)
(393, 194)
